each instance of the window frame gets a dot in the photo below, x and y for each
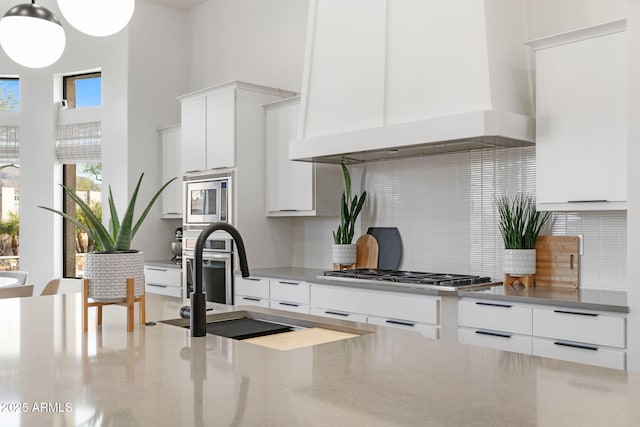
(69, 86)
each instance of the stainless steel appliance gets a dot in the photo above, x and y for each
(208, 198)
(440, 281)
(217, 267)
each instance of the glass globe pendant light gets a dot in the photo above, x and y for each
(97, 17)
(32, 35)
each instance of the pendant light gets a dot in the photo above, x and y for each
(32, 35)
(97, 17)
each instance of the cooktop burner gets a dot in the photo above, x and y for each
(436, 280)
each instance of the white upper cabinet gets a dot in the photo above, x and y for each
(216, 118)
(171, 164)
(581, 119)
(295, 188)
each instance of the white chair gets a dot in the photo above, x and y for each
(21, 276)
(62, 286)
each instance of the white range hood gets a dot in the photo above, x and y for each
(387, 79)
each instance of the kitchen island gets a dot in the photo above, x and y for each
(54, 374)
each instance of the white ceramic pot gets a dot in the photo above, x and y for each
(108, 274)
(344, 254)
(519, 262)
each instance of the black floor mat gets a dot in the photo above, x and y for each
(244, 328)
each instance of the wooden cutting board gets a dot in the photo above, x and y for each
(366, 252)
(300, 338)
(557, 261)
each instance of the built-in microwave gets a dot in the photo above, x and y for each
(207, 198)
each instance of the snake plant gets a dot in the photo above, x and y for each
(520, 222)
(349, 211)
(122, 232)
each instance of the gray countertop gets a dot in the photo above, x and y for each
(162, 263)
(591, 299)
(387, 378)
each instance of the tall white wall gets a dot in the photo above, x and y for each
(250, 40)
(158, 65)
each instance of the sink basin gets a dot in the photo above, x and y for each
(244, 328)
(289, 330)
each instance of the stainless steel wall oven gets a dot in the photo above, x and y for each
(217, 269)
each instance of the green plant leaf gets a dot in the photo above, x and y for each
(149, 206)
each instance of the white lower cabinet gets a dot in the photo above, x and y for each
(338, 314)
(582, 336)
(251, 291)
(401, 310)
(575, 335)
(290, 295)
(499, 340)
(163, 280)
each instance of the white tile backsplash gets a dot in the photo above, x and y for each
(444, 207)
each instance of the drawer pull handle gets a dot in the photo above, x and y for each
(494, 304)
(251, 299)
(583, 347)
(253, 279)
(157, 286)
(493, 334)
(588, 201)
(336, 313)
(398, 322)
(289, 283)
(289, 304)
(576, 312)
(157, 269)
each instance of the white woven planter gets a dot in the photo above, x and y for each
(519, 262)
(344, 254)
(108, 274)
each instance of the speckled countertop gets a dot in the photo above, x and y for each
(592, 299)
(54, 374)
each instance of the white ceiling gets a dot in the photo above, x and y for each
(177, 4)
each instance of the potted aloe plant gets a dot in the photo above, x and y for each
(520, 224)
(343, 251)
(113, 262)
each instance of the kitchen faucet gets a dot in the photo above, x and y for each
(198, 314)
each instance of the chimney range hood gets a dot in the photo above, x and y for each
(388, 79)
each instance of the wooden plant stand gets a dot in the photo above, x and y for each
(129, 303)
(526, 280)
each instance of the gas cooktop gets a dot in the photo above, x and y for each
(441, 281)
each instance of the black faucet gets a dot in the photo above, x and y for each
(198, 315)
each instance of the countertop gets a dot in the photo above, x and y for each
(588, 299)
(162, 263)
(159, 375)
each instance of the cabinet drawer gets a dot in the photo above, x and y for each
(289, 290)
(163, 276)
(251, 286)
(580, 353)
(498, 340)
(393, 305)
(495, 316)
(579, 326)
(290, 306)
(338, 314)
(252, 301)
(168, 290)
(428, 331)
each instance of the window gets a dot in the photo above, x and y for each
(9, 93)
(82, 90)
(86, 178)
(9, 216)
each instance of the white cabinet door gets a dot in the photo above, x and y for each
(171, 163)
(290, 185)
(220, 137)
(194, 134)
(581, 124)
(344, 70)
(495, 316)
(163, 281)
(289, 290)
(498, 340)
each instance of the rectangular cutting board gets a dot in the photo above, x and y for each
(557, 261)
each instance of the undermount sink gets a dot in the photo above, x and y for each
(274, 330)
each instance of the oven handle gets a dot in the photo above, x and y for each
(209, 255)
